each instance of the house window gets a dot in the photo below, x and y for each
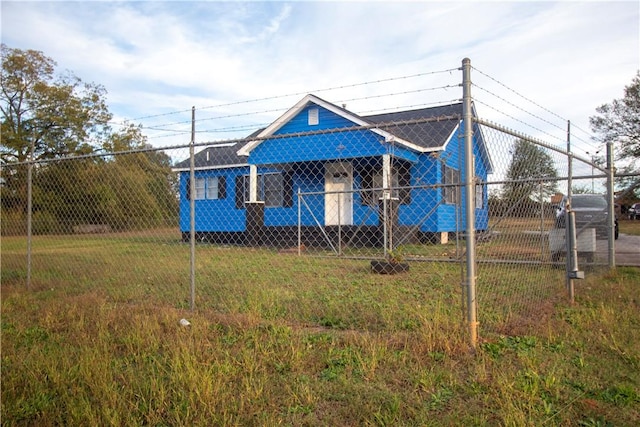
(212, 188)
(314, 116)
(275, 189)
(209, 188)
(272, 189)
(404, 181)
(479, 196)
(451, 183)
(200, 188)
(372, 185)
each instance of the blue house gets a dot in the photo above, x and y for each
(327, 173)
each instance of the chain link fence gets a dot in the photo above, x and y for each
(321, 182)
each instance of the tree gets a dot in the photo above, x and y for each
(53, 115)
(531, 174)
(619, 122)
(58, 117)
(58, 114)
(145, 177)
(131, 188)
(581, 189)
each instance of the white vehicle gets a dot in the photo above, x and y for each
(634, 211)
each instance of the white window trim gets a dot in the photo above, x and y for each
(202, 192)
(200, 188)
(258, 188)
(451, 182)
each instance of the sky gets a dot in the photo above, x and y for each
(242, 64)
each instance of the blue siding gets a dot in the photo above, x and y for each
(419, 212)
(308, 179)
(345, 145)
(307, 156)
(213, 215)
(329, 146)
(482, 212)
(452, 217)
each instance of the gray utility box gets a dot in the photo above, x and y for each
(585, 242)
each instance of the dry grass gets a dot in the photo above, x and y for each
(279, 339)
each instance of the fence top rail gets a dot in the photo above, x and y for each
(536, 141)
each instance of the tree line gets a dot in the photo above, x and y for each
(80, 174)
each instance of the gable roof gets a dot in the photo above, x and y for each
(293, 111)
(427, 135)
(422, 130)
(413, 134)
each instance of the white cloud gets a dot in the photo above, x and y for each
(156, 57)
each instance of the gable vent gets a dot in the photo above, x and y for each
(314, 116)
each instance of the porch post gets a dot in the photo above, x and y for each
(386, 175)
(253, 183)
(255, 211)
(390, 205)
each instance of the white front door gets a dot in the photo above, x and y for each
(338, 199)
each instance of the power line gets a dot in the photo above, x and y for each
(400, 93)
(404, 107)
(520, 95)
(518, 120)
(269, 98)
(573, 126)
(519, 108)
(234, 128)
(161, 127)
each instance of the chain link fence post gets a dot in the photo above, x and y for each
(567, 238)
(30, 210)
(611, 207)
(469, 203)
(192, 210)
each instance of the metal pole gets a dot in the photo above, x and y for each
(339, 223)
(385, 240)
(541, 222)
(192, 208)
(572, 252)
(30, 209)
(469, 203)
(386, 184)
(570, 159)
(567, 238)
(593, 163)
(611, 206)
(299, 223)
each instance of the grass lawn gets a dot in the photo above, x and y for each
(285, 340)
(629, 226)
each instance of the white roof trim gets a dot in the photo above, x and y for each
(446, 142)
(483, 146)
(300, 105)
(410, 145)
